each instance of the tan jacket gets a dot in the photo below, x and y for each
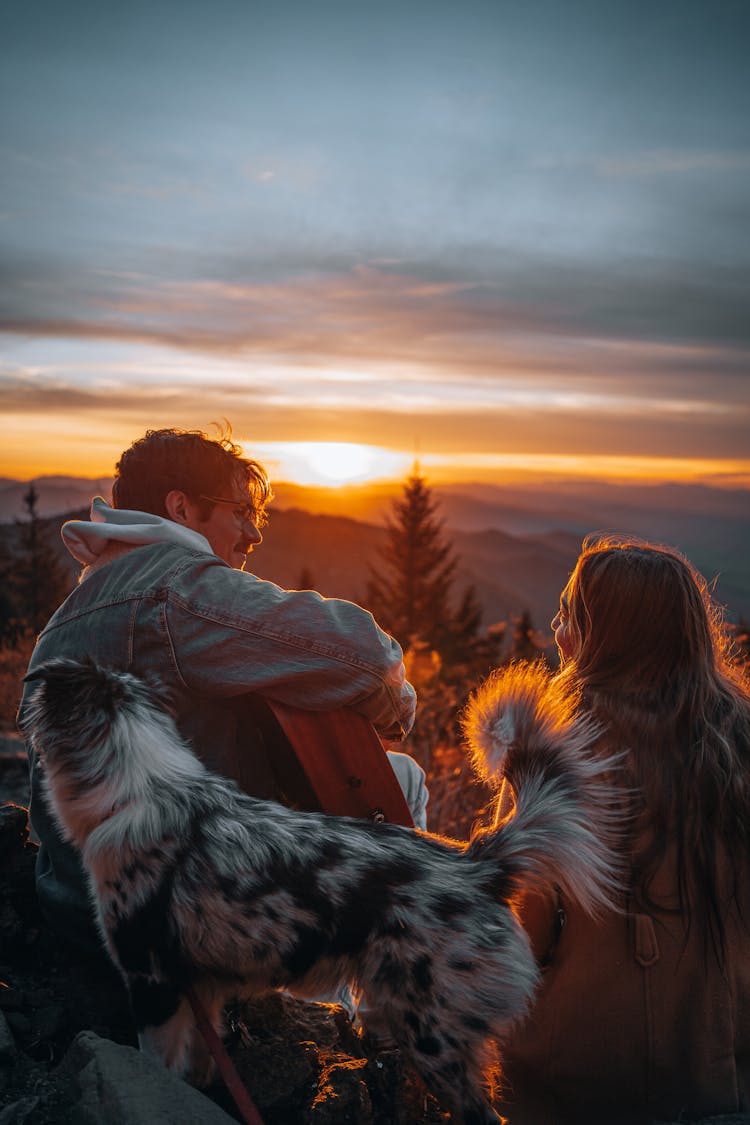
(635, 1020)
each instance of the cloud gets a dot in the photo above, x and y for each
(646, 163)
(461, 415)
(383, 311)
(472, 293)
(672, 163)
(551, 363)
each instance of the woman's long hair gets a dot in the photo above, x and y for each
(653, 663)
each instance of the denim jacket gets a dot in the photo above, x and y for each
(156, 601)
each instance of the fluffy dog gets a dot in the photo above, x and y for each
(196, 883)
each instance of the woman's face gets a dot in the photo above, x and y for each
(561, 625)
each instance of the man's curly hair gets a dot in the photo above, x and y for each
(189, 460)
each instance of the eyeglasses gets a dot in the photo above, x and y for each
(246, 513)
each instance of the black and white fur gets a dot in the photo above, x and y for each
(194, 882)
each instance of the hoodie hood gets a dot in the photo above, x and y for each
(117, 527)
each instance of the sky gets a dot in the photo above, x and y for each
(491, 234)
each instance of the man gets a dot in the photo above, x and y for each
(162, 594)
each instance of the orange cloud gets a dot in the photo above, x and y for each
(369, 355)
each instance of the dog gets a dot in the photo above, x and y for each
(196, 884)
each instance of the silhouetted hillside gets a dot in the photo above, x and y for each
(510, 572)
(57, 495)
(517, 545)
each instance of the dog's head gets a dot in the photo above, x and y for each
(74, 706)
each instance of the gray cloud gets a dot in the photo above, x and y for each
(561, 319)
(595, 426)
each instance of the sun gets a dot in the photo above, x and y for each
(339, 461)
(329, 464)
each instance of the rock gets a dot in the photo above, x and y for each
(342, 1094)
(11, 927)
(10, 998)
(14, 826)
(723, 1119)
(48, 1021)
(7, 1042)
(280, 1046)
(20, 1112)
(121, 1086)
(18, 906)
(305, 1065)
(14, 770)
(19, 1023)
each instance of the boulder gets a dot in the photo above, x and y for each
(121, 1086)
(7, 1042)
(22, 1112)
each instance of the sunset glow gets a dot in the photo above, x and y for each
(89, 452)
(517, 267)
(328, 462)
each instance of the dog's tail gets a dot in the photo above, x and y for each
(523, 729)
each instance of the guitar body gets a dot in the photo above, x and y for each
(316, 761)
(344, 762)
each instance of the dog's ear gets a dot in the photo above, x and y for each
(62, 668)
(37, 674)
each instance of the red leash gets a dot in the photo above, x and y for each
(227, 1069)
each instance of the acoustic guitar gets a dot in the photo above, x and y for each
(345, 763)
(319, 761)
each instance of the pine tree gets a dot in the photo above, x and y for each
(469, 650)
(10, 625)
(524, 642)
(464, 626)
(410, 592)
(36, 581)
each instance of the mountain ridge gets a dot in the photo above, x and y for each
(513, 570)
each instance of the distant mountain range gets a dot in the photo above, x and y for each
(516, 544)
(57, 495)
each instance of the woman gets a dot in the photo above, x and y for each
(644, 1014)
